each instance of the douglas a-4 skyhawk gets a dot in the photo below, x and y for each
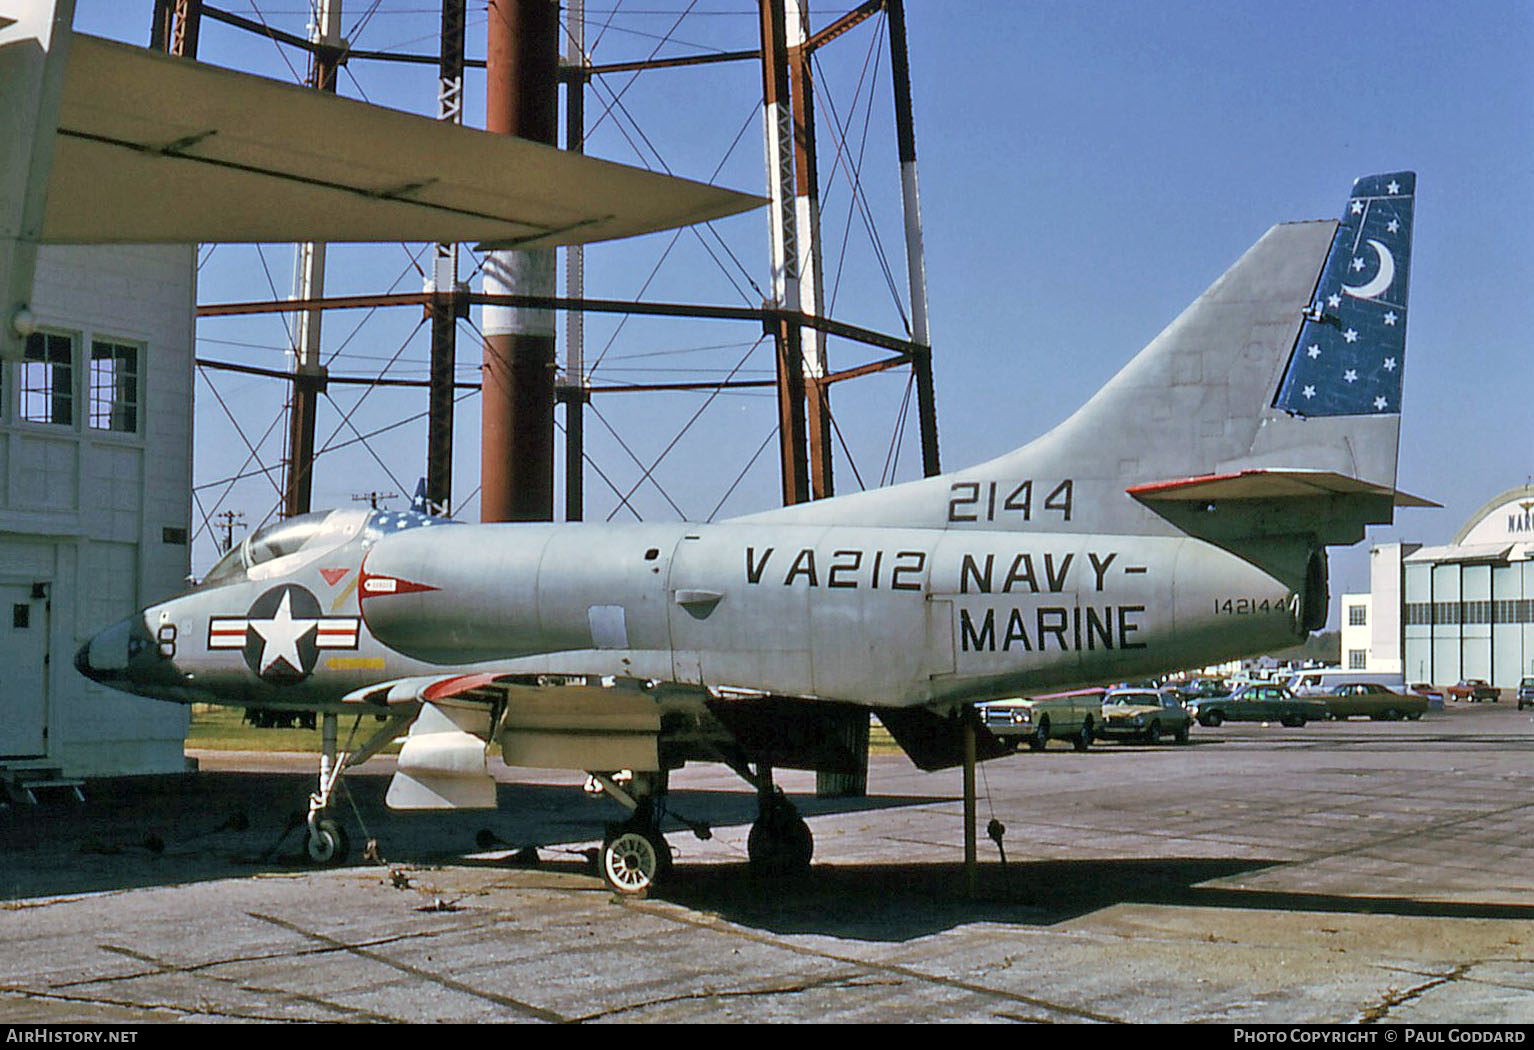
(1177, 519)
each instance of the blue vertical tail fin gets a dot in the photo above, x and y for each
(1351, 351)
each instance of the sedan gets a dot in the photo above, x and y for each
(1145, 715)
(1260, 702)
(1473, 689)
(1374, 700)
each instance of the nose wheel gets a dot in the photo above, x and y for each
(327, 846)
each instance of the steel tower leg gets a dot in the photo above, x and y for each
(517, 427)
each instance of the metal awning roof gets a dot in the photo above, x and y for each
(1472, 553)
(156, 149)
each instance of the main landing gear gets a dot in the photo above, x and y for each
(780, 844)
(635, 856)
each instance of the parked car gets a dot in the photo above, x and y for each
(1260, 702)
(1474, 690)
(1374, 700)
(1526, 693)
(1323, 681)
(1039, 719)
(1203, 688)
(1145, 715)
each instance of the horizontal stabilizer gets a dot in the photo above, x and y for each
(442, 765)
(1268, 484)
(156, 149)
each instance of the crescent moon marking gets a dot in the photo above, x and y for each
(1382, 279)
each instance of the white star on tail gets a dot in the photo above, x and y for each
(281, 635)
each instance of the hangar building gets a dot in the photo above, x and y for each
(1461, 610)
(95, 501)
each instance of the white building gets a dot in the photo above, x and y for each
(1461, 610)
(95, 500)
(1356, 640)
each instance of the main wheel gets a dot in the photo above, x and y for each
(1181, 734)
(1083, 738)
(1211, 718)
(780, 843)
(633, 859)
(1040, 738)
(1153, 734)
(328, 846)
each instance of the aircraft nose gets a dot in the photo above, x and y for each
(115, 655)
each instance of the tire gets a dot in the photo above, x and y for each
(1040, 738)
(633, 860)
(1293, 721)
(1211, 718)
(328, 846)
(1181, 734)
(1083, 738)
(1153, 734)
(780, 844)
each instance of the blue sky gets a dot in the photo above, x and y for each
(1087, 169)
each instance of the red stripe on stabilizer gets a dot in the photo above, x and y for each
(1200, 479)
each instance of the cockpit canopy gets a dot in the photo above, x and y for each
(309, 535)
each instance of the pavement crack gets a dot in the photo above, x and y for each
(1392, 998)
(365, 951)
(840, 981)
(717, 925)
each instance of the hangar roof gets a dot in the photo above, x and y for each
(1474, 553)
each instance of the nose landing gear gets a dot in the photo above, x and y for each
(328, 845)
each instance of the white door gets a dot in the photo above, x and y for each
(23, 672)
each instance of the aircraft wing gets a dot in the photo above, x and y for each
(543, 721)
(155, 149)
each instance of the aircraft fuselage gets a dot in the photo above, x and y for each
(875, 616)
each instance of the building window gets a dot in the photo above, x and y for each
(1358, 615)
(114, 387)
(48, 379)
(1358, 659)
